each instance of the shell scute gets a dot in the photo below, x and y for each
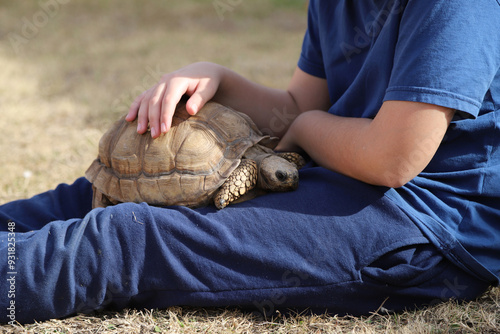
(170, 188)
(200, 152)
(234, 127)
(149, 190)
(128, 191)
(125, 153)
(156, 159)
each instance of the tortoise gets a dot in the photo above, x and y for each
(218, 155)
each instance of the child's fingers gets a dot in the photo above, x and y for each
(154, 106)
(134, 107)
(204, 92)
(173, 94)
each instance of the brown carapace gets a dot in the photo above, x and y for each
(218, 155)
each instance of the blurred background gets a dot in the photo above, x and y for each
(69, 68)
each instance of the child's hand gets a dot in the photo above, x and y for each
(156, 106)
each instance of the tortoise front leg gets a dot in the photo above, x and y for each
(293, 158)
(241, 180)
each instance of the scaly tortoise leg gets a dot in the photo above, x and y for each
(293, 158)
(241, 180)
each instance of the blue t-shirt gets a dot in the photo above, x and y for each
(443, 52)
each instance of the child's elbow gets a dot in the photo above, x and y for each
(396, 176)
(394, 182)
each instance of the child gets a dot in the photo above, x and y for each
(396, 102)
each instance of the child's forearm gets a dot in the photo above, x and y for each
(273, 110)
(389, 150)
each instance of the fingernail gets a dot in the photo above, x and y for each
(163, 127)
(153, 132)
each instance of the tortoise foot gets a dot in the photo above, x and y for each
(293, 158)
(241, 180)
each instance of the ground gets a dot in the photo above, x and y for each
(70, 68)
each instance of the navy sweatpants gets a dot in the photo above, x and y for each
(335, 244)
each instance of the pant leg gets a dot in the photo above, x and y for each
(334, 244)
(64, 202)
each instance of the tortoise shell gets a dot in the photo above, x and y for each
(185, 166)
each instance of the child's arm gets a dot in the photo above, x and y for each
(271, 109)
(389, 150)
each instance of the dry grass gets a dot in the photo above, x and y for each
(63, 82)
(482, 316)
(78, 70)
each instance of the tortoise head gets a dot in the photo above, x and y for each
(277, 174)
